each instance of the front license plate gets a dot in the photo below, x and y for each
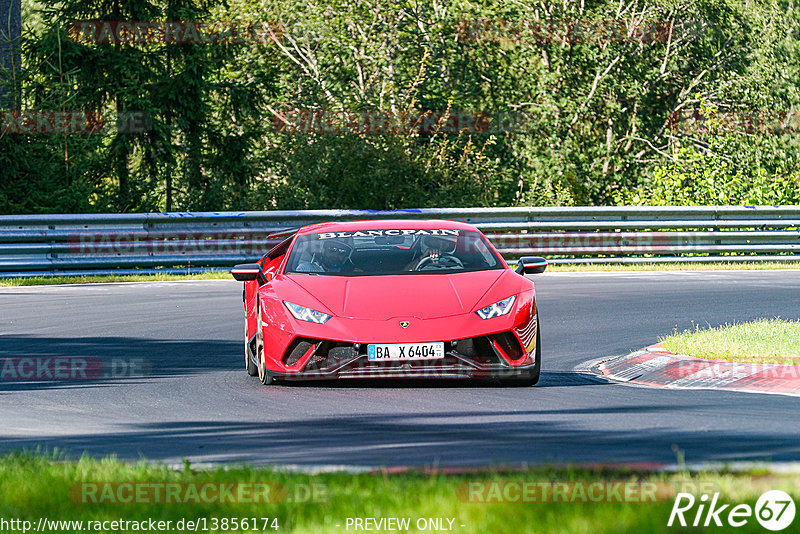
(405, 351)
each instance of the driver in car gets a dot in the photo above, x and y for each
(437, 252)
(335, 258)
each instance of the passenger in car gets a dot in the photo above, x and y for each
(335, 258)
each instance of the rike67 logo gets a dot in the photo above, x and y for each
(774, 510)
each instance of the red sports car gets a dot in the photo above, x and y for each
(390, 299)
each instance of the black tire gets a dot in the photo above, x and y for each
(263, 375)
(531, 376)
(249, 364)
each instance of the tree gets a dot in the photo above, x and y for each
(10, 32)
(591, 91)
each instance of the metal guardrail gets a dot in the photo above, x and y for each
(42, 245)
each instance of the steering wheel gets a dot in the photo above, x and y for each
(445, 261)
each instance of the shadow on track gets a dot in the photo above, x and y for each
(446, 438)
(109, 360)
(548, 379)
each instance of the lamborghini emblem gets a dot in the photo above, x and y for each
(404, 324)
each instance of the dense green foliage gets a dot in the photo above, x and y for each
(595, 91)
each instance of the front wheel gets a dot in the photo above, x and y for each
(531, 376)
(263, 374)
(249, 364)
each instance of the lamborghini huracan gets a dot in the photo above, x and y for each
(390, 299)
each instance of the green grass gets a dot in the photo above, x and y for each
(552, 268)
(34, 486)
(684, 266)
(54, 280)
(762, 341)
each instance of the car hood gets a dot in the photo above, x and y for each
(417, 295)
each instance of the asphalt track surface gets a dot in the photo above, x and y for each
(197, 402)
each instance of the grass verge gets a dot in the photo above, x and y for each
(106, 279)
(35, 487)
(763, 341)
(552, 268)
(684, 266)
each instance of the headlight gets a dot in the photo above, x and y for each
(306, 314)
(497, 309)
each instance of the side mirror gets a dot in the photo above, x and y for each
(531, 265)
(246, 271)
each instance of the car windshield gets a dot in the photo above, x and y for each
(392, 251)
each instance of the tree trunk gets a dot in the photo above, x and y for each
(10, 31)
